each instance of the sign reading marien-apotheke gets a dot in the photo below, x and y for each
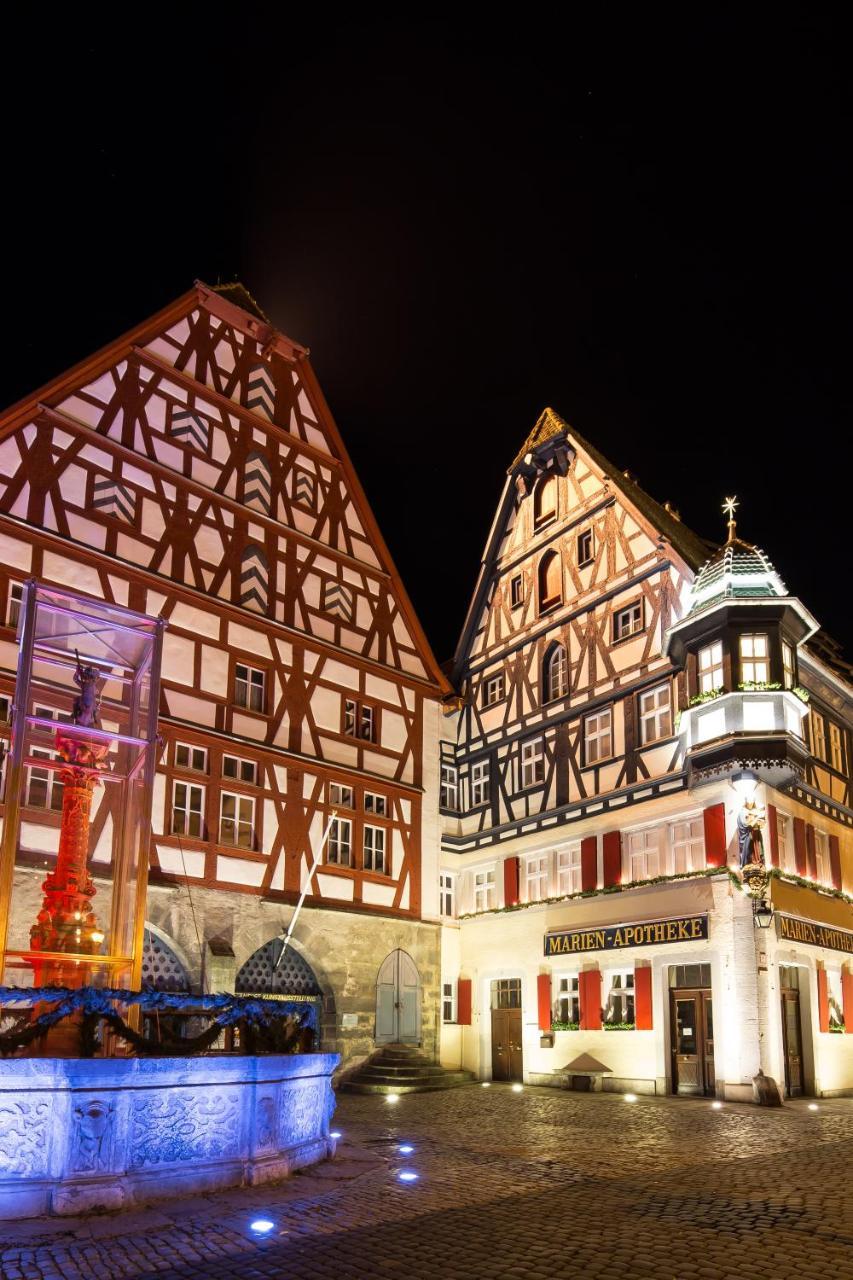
(792, 929)
(645, 933)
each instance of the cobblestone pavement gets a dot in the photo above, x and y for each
(534, 1184)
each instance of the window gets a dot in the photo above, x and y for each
(376, 804)
(237, 820)
(545, 501)
(568, 999)
(13, 609)
(655, 714)
(187, 810)
(643, 854)
(619, 1002)
(556, 673)
(586, 548)
(480, 782)
(249, 688)
(537, 876)
(817, 734)
(598, 736)
(448, 1001)
(449, 794)
(447, 894)
(360, 720)
(687, 841)
(754, 665)
(484, 889)
(550, 581)
(374, 849)
(339, 848)
(189, 757)
(516, 591)
(785, 843)
(569, 870)
(835, 999)
(44, 786)
(240, 770)
(787, 665)
(711, 667)
(5, 708)
(340, 797)
(532, 762)
(836, 748)
(824, 866)
(628, 621)
(493, 689)
(506, 993)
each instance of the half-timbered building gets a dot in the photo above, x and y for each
(192, 471)
(630, 699)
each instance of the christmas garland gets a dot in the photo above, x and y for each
(268, 1026)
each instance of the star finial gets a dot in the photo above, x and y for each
(729, 507)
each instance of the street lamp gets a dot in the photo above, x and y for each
(762, 913)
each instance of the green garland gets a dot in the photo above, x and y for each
(709, 696)
(776, 873)
(611, 888)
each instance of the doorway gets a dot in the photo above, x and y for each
(792, 1041)
(507, 1055)
(398, 1000)
(691, 1025)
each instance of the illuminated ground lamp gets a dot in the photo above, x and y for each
(716, 1106)
(407, 1175)
(84, 744)
(392, 1098)
(406, 1150)
(813, 1106)
(630, 1097)
(517, 1088)
(261, 1226)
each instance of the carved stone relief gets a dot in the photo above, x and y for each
(91, 1137)
(23, 1137)
(171, 1127)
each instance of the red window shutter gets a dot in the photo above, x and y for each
(543, 994)
(847, 1000)
(589, 990)
(510, 882)
(463, 1002)
(811, 852)
(835, 865)
(612, 858)
(589, 863)
(773, 831)
(800, 846)
(716, 853)
(643, 997)
(822, 1000)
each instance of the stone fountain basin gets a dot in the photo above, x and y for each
(108, 1133)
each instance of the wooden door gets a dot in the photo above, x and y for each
(692, 1031)
(398, 1000)
(792, 1042)
(507, 1055)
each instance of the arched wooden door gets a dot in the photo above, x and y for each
(398, 1000)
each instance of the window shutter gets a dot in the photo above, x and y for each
(612, 858)
(643, 997)
(543, 994)
(822, 1000)
(589, 990)
(773, 830)
(510, 882)
(800, 846)
(716, 853)
(463, 1002)
(811, 852)
(847, 999)
(589, 863)
(835, 865)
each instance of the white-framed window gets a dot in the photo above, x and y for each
(448, 1002)
(480, 782)
(817, 734)
(237, 820)
(836, 748)
(545, 501)
(340, 796)
(44, 786)
(187, 809)
(249, 687)
(628, 621)
(447, 894)
(493, 689)
(710, 667)
(824, 865)
(374, 849)
(687, 842)
(586, 548)
(532, 762)
(835, 998)
(785, 842)
(556, 673)
(787, 665)
(360, 720)
(484, 889)
(449, 794)
(655, 714)
(754, 659)
(567, 1005)
(618, 988)
(13, 605)
(569, 876)
(188, 756)
(240, 770)
(516, 591)
(598, 736)
(538, 875)
(376, 804)
(339, 847)
(643, 854)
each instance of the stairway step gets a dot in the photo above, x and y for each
(394, 1068)
(452, 1080)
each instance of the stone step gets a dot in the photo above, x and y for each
(450, 1080)
(381, 1077)
(387, 1069)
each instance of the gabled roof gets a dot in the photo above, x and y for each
(238, 294)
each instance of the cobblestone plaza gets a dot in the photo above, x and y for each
(541, 1184)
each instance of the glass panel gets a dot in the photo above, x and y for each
(686, 1036)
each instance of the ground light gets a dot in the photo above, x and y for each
(717, 1106)
(336, 1133)
(487, 1084)
(406, 1150)
(261, 1226)
(630, 1097)
(813, 1106)
(407, 1175)
(517, 1088)
(392, 1097)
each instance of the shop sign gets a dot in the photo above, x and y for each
(645, 933)
(792, 929)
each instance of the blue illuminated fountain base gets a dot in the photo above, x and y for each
(108, 1133)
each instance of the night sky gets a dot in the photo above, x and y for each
(645, 226)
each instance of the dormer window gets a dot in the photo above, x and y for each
(493, 690)
(516, 591)
(710, 662)
(545, 501)
(754, 664)
(586, 548)
(550, 581)
(555, 673)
